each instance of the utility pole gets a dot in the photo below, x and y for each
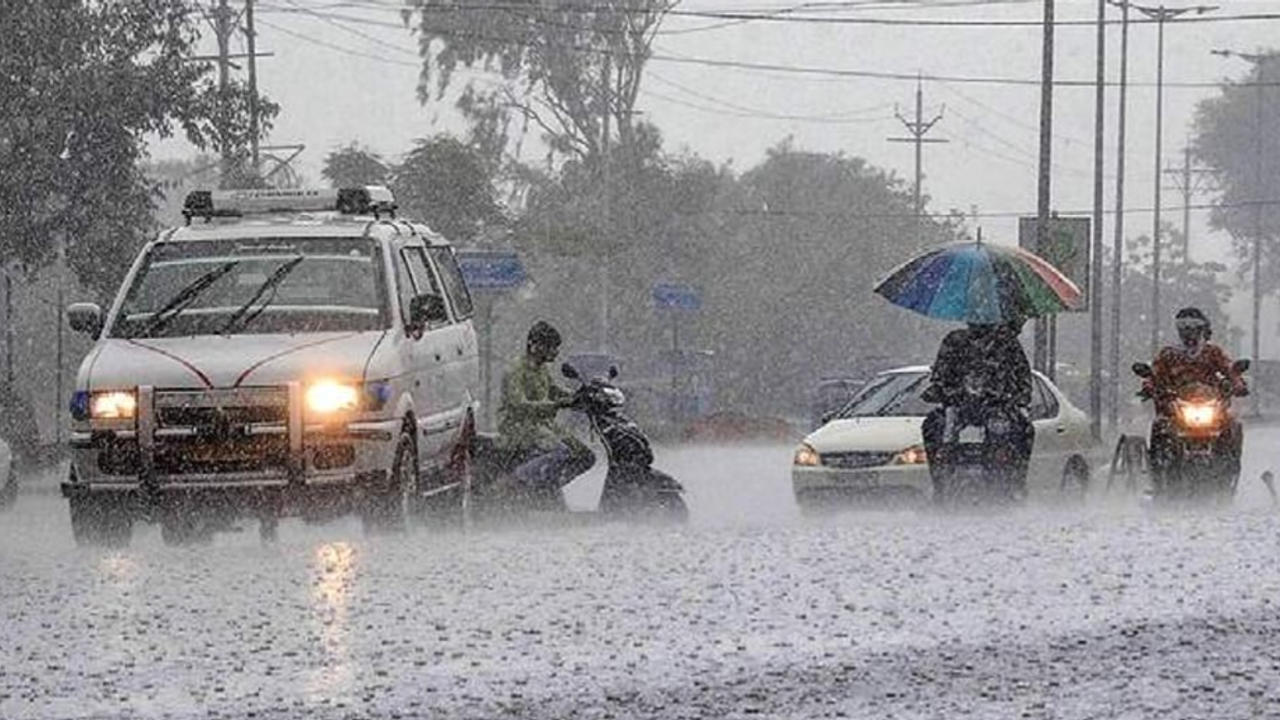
(8, 328)
(1186, 180)
(251, 39)
(605, 72)
(223, 21)
(1041, 354)
(1117, 260)
(1259, 62)
(1160, 15)
(1095, 260)
(919, 128)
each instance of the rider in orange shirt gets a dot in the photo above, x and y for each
(1195, 360)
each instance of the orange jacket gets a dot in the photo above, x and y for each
(1176, 366)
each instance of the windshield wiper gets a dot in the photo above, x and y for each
(183, 299)
(271, 284)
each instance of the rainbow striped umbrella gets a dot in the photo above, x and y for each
(979, 283)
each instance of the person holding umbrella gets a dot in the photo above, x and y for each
(993, 289)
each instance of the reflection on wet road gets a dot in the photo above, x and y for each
(1106, 609)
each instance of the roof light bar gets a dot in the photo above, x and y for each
(369, 200)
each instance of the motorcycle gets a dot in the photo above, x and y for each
(979, 448)
(632, 487)
(1198, 465)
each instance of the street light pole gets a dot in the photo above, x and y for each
(1095, 264)
(1041, 356)
(1160, 14)
(1118, 241)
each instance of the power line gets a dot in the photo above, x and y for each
(339, 48)
(851, 117)
(798, 69)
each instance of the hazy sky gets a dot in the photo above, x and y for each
(340, 80)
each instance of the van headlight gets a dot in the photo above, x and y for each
(806, 456)
(913, 455)
(113, 405)
(327, 397)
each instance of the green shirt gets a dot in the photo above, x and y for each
(527, 414)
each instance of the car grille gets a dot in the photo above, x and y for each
(204, 432)
(850, 460)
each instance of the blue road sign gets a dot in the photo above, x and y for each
(670, 296)
(491, 270)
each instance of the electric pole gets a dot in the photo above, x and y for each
(1095, 259)
(251, 40)
(225, 23)
(919, 128)
(1187, 180)
(1117, 276)
(1045, 169)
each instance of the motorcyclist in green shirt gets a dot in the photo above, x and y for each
(547, 454)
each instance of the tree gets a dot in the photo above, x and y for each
(564, 65)
(1237, 135)
(449, 185)
(352, 166)
(82, 85)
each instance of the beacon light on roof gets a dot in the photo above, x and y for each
(369, 200)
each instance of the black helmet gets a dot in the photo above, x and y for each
(1192, 324)
(543, 334)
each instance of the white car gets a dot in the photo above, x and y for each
(873, 447)
(283, 351)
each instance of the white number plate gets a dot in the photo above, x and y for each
(970, 435)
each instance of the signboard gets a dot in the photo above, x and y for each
(1066, 247)
(670, 296)
(491, 270)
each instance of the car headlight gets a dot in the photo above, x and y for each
(327, 397)
(913, 455)
(806, 456)
(113, 405)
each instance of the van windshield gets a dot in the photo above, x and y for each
(257, 285)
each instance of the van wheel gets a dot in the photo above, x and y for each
(100, 521)
(389, 502)
(1075, 477)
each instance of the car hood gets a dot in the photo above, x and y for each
(867, 434)
(232, 361)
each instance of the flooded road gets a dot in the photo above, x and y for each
(1107, 609)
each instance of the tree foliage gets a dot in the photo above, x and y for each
(1237, 135)
(448, 184)
(352, 166)
(563, 65)
(82, 84)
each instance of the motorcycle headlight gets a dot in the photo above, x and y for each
(806, 456)
(913, 455)
(1198, 415)
(113, 405)
(327, 397)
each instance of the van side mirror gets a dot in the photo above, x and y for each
(1241, 365)
(427, 310)
(1142, 370)
(85, 318)
(569, 371)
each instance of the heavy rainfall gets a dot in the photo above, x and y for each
(639, 358)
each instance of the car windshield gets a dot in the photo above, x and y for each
(892, 394)
(257, 285)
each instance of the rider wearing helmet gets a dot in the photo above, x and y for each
(1196, 360)
(548, 454)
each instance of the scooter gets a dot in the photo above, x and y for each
(633, 488)
(1198, 465)
(979, 460)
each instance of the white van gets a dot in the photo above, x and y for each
(287, 351)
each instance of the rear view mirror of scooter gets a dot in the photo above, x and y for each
(569, 371)
(613, 372)
(1241, 365)
(1142, 370)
